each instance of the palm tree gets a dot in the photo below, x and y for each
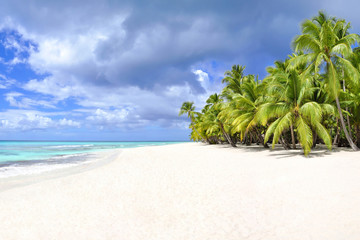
(206, 124)
(242, 108)
(209, 125)
(277, 81)
(290, 107)
(352, 97)
(189, 109)
(215, 104)
(234, 78)
(326, 44)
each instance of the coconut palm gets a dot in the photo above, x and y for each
(290, 108)
(216, 105)
(242, 108)
(352, 97)
(234, 78)
(326, 44)
(189, 109)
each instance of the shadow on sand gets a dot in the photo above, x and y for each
(279, 152)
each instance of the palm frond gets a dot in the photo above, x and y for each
(323, 133)
(333, 83)
(270, 130)
(350, 70)
(311, 111)
(304, 134)
(283, 125)
(342, 49)
(306, 43)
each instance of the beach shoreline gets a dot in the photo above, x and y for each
(31, 161)
(96, 159)
(191, 191)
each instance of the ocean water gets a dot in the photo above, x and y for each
(30, 157)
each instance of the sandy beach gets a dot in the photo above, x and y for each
(190, 191)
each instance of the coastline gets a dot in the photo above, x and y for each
(191, 191)
(97, 159)
(28, 159)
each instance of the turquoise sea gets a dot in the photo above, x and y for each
(28, 157)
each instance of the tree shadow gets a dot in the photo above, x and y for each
(279, 152)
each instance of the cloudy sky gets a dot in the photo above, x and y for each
(120, 70)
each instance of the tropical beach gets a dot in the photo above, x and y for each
(100, 100)
(191, 191)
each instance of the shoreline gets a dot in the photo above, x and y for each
(97, 160)
(193, 191)
(61, 164)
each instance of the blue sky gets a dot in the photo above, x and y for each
(120, 70)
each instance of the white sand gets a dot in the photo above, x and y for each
(191, 191)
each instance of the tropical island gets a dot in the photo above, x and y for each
(311, 97)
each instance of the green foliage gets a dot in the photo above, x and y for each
(297, 98)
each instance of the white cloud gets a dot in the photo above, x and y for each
(60, 87)
(5, 82)
(70, 123)
(108, 118)
(11, 43)
(10, 97)
(210, 88)
(203, 78)
(181, 124)
(18, 46)
(26, 122)
(178, 91)
(17, 99)
(31, 120)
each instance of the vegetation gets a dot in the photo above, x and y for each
(312, 97)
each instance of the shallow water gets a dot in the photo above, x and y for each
(28, 157)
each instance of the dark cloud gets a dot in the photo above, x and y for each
(159, 36)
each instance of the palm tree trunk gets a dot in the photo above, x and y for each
(256, 137)
(246, 138)
(292, 136)
(314, 140)
(261, 139)
(343, 126)
(348, 138)
(250, 139)
(337, 132)
(348, 122)
(285, 145)
(347, 115)
(226, 135)
(198, 133)
(192, 123)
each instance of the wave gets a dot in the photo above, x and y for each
(16, 168)
(68, 146)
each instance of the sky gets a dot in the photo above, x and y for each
(120, 70)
